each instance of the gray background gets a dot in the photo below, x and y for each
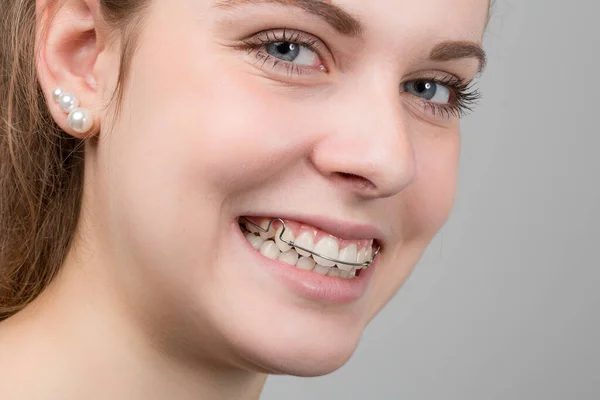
(504, 304)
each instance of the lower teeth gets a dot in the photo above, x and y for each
(269, 249)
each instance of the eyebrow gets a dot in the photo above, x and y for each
(447, 51)
(349, 25)
(340, 19)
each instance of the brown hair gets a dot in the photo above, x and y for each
(41, 166)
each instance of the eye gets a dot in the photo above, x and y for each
(430, 91)
(292, 52)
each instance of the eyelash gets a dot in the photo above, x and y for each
(256, 43)
(463, 95)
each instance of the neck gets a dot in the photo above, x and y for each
(77, 341)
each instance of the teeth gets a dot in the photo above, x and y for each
(319, 269)
(334, 272)
(267, 235)
(369, 253)
(347, 254)
(346, 274)
(289, 257)
(361, 257)
(255, 241)
(306, 263)
(270, 246)
(251, 228)
(269, 249)
(288, 236)
(305, 240)
(327, 247)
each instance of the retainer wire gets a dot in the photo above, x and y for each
(292, 244)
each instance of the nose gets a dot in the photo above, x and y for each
(366, 147)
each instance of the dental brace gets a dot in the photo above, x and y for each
(292, 244)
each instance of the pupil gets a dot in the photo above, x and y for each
(423, 86)
(426, 89)
(285, 48)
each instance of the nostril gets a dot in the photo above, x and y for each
(355, 180)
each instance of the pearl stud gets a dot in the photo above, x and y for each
(80, 119)
(56, 94)
(67, 102)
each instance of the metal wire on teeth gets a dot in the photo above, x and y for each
(292, 244)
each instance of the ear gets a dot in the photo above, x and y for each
(70, 40)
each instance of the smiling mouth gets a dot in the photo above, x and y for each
(308, 248)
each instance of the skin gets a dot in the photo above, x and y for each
(154, 301)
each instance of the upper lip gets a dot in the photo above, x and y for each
(342, 229)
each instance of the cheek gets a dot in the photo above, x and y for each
(179, 156)
(201, 134)
(424, 207)
(431, 195)
(227, 134)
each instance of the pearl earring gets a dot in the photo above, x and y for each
(80, 119)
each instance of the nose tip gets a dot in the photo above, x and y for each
(371, 166)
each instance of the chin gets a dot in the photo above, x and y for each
(299, 357)
(287, 336)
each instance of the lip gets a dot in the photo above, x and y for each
(307, 284)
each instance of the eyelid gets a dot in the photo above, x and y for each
(439, 76)
(267, 36)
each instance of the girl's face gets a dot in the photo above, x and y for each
(339, 117)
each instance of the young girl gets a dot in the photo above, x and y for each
(195, 194)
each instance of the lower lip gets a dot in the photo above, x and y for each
(311, 285)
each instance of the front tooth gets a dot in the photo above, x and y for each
(255, 241)
(319, 269)
(269, 249)
(267, 235)
(288, 236)
(334, 272)
(305, 240)
(289, 257)
(361, 256)
(327, 247)
(369, 253)
(306, 263)
(345, 274)
(347, 254)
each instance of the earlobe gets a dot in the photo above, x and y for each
(68, 44)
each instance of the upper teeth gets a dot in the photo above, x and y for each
(348, 254)
(264, 225)
(287, 236)
(327, 247)
(271, 246)
(306, 240)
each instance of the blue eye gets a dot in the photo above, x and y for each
(283, 50)
(430, 91)
(296, 53)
